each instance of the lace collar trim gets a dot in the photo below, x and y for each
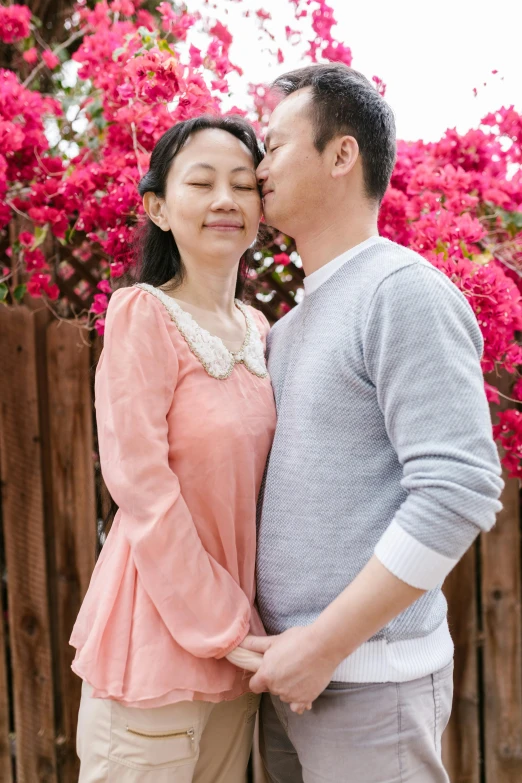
(211, 351)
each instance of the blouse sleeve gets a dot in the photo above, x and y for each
(202, 606)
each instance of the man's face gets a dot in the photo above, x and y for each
(293, 175)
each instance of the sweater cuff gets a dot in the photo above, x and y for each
(411, 561)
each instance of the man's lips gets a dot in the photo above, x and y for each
(267, 193)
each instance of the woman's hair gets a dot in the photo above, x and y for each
(158, 257)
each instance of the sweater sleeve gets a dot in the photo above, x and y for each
(422, 348)
(200, 603)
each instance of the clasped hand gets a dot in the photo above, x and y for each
(290, 665)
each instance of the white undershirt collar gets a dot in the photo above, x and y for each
(321, 275)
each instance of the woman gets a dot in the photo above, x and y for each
(186, 417)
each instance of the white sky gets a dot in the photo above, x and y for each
(430, 53)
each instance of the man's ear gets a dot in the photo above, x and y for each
(154, 206)
(346, 154)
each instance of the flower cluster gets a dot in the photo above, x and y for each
(14, 23)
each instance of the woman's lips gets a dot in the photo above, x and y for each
(223, 227)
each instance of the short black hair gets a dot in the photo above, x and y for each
(344, 102)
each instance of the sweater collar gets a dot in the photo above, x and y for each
(321, 275)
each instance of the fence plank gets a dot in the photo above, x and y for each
(461, 740)
(5, 750)
(501, 564)
(73, 505)
(24, 536)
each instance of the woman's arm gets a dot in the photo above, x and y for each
(203, 607)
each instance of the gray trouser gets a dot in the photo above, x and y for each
(360, 733)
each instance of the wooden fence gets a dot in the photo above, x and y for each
(50, 508)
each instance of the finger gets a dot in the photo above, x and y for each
(244, 659)
(300, 708)
(257, 684)
(258, 644)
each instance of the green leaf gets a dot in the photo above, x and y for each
(19, 292)
(40, 233)
(69, 235)
(512, 220)
(3, 292)
(164, 46)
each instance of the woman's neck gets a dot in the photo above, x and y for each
(212, 290)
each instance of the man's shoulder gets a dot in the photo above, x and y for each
(392, 258)
(392, 264)
(282, 325)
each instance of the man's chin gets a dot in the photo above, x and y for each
(273, 219)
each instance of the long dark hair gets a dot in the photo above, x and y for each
(158, 258)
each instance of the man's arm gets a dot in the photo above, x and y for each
(422, 348)
(298, 664)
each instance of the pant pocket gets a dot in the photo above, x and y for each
(152, 739)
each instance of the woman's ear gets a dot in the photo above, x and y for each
(154, 206)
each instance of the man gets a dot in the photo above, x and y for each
(383, 468)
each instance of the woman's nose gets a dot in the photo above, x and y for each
(224, 199)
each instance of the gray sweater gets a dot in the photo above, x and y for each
(383, 446)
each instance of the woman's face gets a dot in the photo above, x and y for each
(212, 203)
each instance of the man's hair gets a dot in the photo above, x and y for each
(345, 103)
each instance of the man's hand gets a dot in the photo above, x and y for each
(245, 658)
(295, 666)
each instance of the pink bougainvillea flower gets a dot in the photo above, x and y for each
(282, 258)
(40, 284)
(99, 325)
(14, 23)
(26, 238)
(50, 59)
(34, 260)
(99, 304)
(31, 56)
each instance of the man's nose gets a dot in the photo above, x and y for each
(262, 172)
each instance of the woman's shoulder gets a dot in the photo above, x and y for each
(135, 309)
(138, 298)
(260, 320)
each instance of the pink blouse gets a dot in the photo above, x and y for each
(184, 428)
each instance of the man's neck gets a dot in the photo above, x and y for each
(319, 246)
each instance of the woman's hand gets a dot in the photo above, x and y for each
(245, 659)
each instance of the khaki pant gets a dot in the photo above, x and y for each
(374, 733)
(187, 742)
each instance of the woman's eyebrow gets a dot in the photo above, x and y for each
(212, 168)
(201, 166)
